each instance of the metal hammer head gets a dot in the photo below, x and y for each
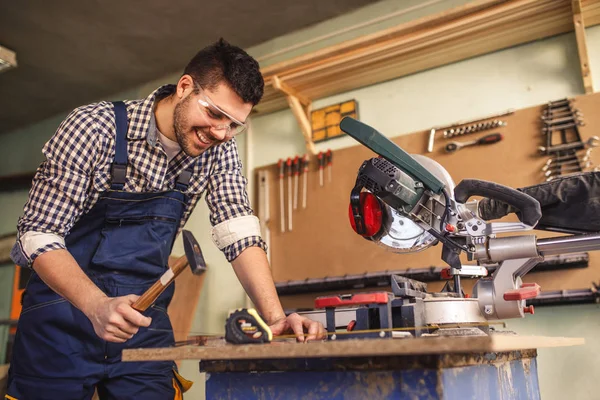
(193, 253)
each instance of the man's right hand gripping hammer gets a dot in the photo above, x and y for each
(117, 319)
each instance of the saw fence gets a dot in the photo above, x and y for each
(322, 243)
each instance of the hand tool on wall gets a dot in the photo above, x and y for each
(567, 168)
(321, 161)
(568, 157)
(560, 113)
(457, 125)
(464, 130)
(281, 166)
(563, 163)
(264, 209)
(329, 162)
(563, 141)
(288, 165)
(593, 141)
(296, 171)
(487, 139)
(193, 257)
(564, 119)
(304, 179)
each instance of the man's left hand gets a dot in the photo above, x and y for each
(299, 325)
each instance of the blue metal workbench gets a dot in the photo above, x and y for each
(460, 376)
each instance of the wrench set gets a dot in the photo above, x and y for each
(567, 153)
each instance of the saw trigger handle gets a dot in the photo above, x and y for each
(245, 326)
(530, 210)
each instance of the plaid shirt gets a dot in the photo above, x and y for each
(77, 171)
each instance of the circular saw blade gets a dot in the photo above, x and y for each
(402, 235)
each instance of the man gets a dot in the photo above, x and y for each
(118, 183)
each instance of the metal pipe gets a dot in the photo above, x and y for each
(568, 244)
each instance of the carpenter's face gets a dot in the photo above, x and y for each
(204, 118)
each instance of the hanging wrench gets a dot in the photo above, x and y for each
(488, 139)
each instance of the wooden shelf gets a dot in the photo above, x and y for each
(474, 29)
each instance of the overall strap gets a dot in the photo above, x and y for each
(118, 169)
(183, 180)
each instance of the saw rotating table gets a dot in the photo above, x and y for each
(499, 366)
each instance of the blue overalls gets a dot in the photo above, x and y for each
(123, 245)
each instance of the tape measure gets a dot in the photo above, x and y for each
(245, 326)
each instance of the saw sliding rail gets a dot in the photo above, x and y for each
(568, 244)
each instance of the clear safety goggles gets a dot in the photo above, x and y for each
(219, 119)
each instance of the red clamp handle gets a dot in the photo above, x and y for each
(526, 291)
(351, 300)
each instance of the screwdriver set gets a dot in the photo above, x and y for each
(293, 180)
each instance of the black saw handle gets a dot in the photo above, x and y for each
(530, 209)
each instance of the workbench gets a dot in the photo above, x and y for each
(499, 366)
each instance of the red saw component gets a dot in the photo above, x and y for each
(371, 214)
(526, 291)
(351, 300)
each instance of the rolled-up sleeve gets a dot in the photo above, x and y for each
(227, 197)
(59, 189)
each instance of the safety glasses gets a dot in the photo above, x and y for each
(219, 119)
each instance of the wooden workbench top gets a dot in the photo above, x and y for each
(353, 348)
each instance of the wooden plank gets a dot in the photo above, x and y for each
(361, 42)
(584, 61)
(354, 348)
(463, 27)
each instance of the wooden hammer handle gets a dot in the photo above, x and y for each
(150, 295)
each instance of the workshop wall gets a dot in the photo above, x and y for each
(514, 78)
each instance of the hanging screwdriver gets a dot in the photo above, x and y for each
(281, 166)
(488, 139)
(288, 165)
(321, 160)
(329, 162)
(304, 179)
(296, 169)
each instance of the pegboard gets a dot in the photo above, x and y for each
(323, 244)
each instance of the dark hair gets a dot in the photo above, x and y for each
(223, 62)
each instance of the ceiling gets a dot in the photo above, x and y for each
(72, 52)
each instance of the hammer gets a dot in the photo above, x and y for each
(193, 256)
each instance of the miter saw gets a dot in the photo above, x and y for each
(408, 203)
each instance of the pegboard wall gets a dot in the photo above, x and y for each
(323, 244)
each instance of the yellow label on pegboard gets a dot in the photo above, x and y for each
(325, 121)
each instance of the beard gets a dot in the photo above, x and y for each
(186, 134)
